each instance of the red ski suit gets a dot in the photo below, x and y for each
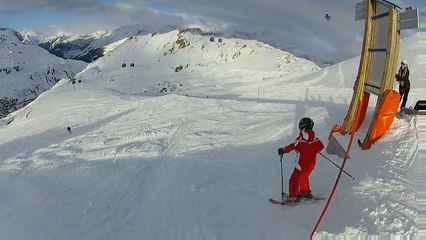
(307, 145)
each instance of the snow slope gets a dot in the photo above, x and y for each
(157, 153)
(27, 70)
(191, 64)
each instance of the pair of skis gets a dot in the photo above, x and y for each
(285, 201)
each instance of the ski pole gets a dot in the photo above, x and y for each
(282, 179)
(337, 166)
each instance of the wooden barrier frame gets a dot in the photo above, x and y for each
(373, 12)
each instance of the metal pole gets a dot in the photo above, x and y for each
(337, 166)
(282, 180)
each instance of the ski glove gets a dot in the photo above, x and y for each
(280, 152)
(287, 149)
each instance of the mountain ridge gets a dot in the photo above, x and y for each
(92, 47)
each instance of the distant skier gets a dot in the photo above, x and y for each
(404, 83)
(69, 129)
(327, 16)
(307, 145)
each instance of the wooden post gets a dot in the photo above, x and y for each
(362, 70)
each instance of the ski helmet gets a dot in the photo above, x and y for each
(306, 123)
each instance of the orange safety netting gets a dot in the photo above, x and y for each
(386, 114)
(359, 118)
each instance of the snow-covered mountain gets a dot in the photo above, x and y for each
(175, 136)
(27, 70)
(73, 47)
(90, 47)
(278, 42)
(178, 61)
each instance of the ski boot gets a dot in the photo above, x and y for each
(306, 195)
(292, 200)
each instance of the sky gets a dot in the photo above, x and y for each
(300, 23)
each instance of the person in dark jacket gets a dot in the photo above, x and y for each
(404, 82)
(307, 146)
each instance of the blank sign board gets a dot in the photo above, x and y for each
(409, 19)
(378, 49)
(422, 22)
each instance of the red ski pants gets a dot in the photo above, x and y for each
(299, 181)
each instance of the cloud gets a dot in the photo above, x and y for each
(299, 24)
(81, 6)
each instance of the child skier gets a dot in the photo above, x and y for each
(307, 145)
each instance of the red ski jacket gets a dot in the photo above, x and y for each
(307, 145)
